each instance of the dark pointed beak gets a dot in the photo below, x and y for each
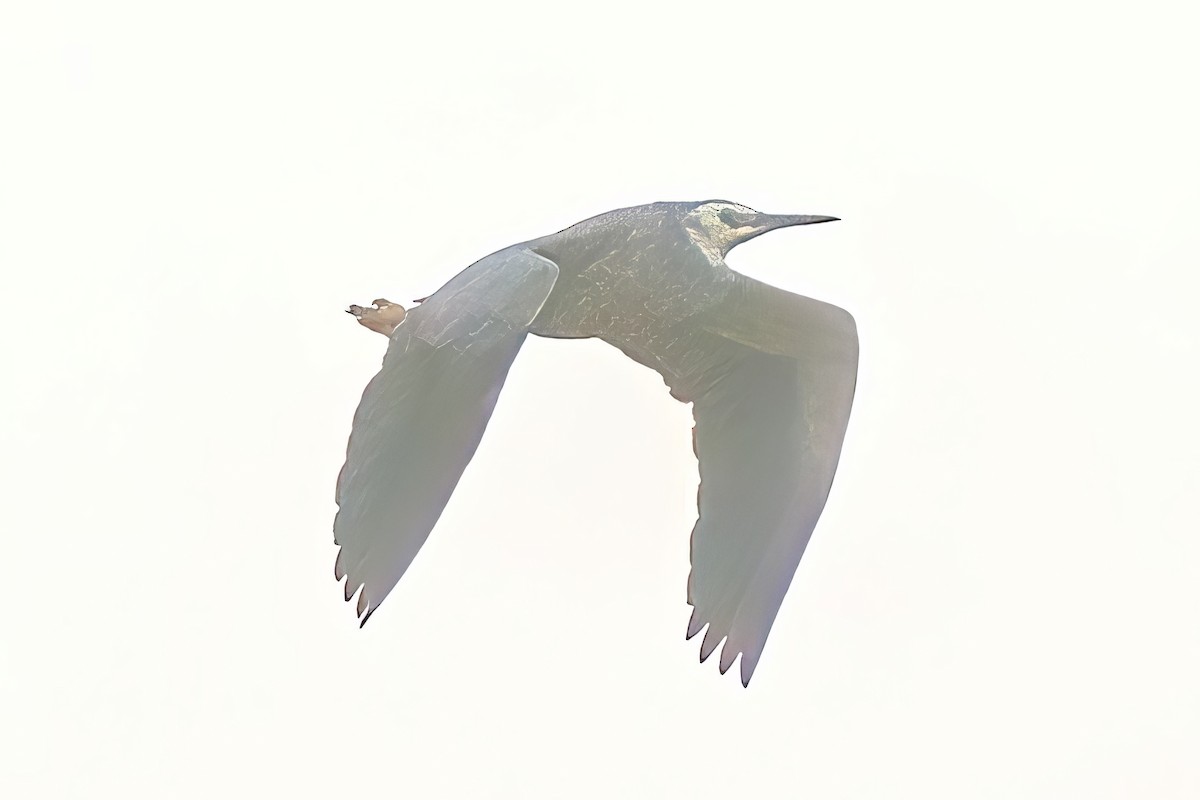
(761, 223)
(773, 221)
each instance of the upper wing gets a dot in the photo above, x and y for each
(423, 415)
(771, 376)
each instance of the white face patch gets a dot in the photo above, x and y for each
(715, 235)
(709, 215)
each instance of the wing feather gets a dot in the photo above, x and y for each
(771, 377)
(422, 416)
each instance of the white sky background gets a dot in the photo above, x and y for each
(1000, 601)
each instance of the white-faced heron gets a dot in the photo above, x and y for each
(770, 376)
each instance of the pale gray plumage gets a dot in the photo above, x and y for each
(770, 374)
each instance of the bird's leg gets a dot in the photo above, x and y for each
(383, 318)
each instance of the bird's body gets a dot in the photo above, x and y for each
(771, 376)
(627, 274)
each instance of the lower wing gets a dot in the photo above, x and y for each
(771, 378)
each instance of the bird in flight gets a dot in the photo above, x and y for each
(770, 376)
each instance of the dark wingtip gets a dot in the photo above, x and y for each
(694, 626)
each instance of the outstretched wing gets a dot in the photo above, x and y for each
(771, 377)
(421, 418)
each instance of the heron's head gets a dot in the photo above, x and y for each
(720, 226)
